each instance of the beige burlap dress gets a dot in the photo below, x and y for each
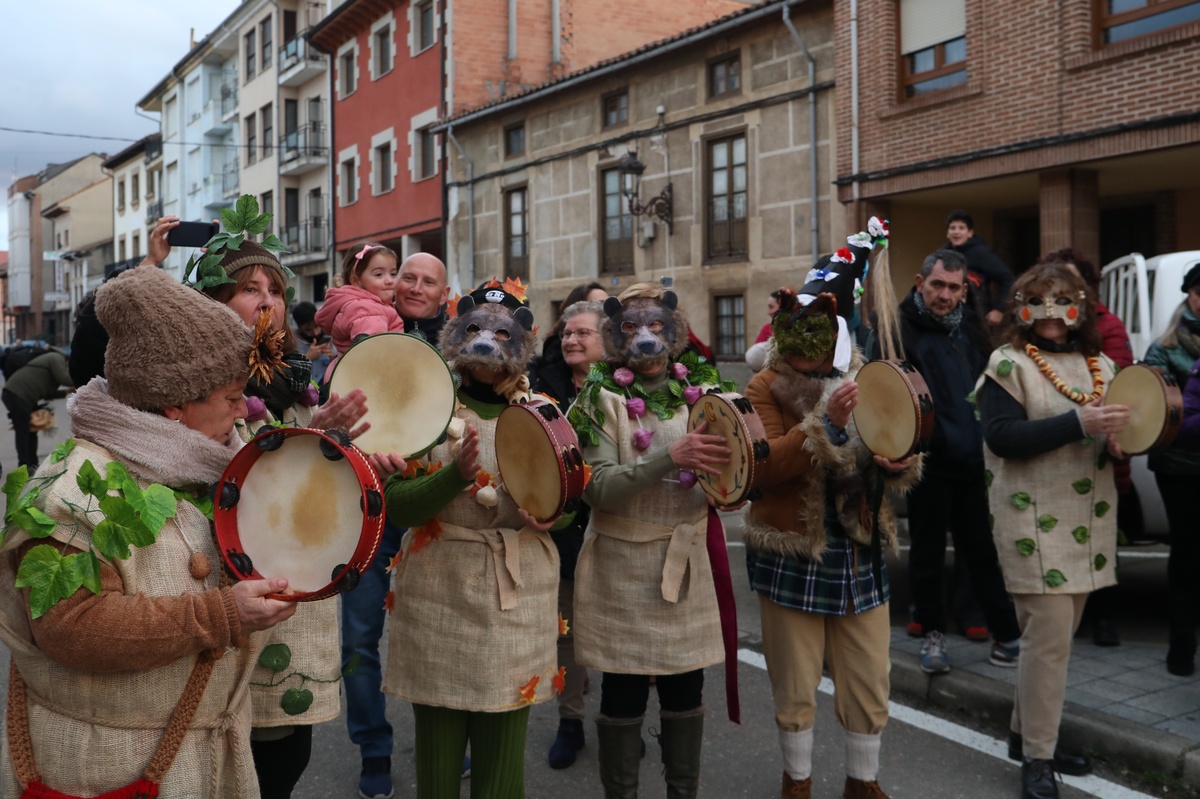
(94, 732)
(475, 613)
(645, 602)
(1054, 516)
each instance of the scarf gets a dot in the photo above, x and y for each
(284, 388)
(950, 321)
(153, 447)
(1188, 334)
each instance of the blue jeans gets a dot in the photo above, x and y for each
(363, 618)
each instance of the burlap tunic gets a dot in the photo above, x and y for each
(1055, 515)
(475, 613)
(644, 596)
(94, 732)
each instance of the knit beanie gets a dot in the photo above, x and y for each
(251, 254)
(168, 344)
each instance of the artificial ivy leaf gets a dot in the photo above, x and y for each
(203, 503)
(611, 385)
(1046, 522)
(1081, 534)
(1026, 546)
(290, 294)
(235, 242)
(1054, 578)
(296, 700)
(62, 451)
(1088, 441)
(1122, 539)
(675, 387)
(1004, 368)
(229, 217)
(89, 571)
(259, 224)
(273, 244)
(1021, 500)
(90, 481)
(988, 477)
(154, 505)
(1100, 561)
(121, 528)
(971, 397)
(23, 515)
(275, 657)
(115, 475)
(1082, 486)
(352, 665)
(13, 485)
(218, 242)
(1102, 459)
(1102, 508)
(43, 524)
(49, 576)
(247, 212)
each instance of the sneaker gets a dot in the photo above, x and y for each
(977, 633)
(1005, 657)
(376, 779)
(933, 654)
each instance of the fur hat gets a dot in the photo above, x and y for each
(167, 344)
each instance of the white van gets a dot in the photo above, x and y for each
(1144, 293)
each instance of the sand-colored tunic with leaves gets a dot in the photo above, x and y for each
(307, 689)
(645, 602)
(475, 612)
(94, 732)
(1054, 515)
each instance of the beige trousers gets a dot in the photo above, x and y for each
(796, 644)
(570, 701)
(1048, 623)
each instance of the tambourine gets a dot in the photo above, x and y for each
(539, 458)
(1155, 408)
(894, 414)
(733, 416)
(410, 392)
(302, 504)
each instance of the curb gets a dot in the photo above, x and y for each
(1112, 738)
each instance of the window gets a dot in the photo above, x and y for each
(615, 108)
(122, 255)
(251, 140)
(731, 326)
(268, 128)
(264, 33)
(349, 180)
(267, 205)
(383, 168)
(251, 54)
(120, 195)
(291, 219)
(514, 140)
(383, 50)
(168, 117)
(424, 23)
(617, 224)
(1126, 19)
(136, 249)
(347, 66)
(428, 166)
(933, 45)
(516, 234)
(135, 188)
(725, 76)
(725, 187)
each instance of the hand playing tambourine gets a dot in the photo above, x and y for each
(1105, 420)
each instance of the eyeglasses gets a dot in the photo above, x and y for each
(581, 334)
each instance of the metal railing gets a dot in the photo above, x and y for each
(154, 212)
(310, 236)
(229, 95)
(296, 50)
(306, 140)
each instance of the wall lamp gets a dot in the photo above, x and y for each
(631, 170)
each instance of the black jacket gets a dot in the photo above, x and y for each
(985, 269)
(950, 365)
(429, 328)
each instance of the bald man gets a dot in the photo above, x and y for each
(421, 294)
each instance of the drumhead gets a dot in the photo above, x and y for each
(1141, 389)
(529, 465)
(733, 480)
(409, 388)
(299, 514)
(885, 415)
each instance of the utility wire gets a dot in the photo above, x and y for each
(125, 139)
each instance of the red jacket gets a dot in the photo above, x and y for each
(1115, 345)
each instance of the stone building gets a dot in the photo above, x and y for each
(721, 116)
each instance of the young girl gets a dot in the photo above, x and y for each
(362, 305)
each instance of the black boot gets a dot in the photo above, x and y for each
(566, 744)
(1065, 762)
(620, 742)
(1181, 654)
(1037, 780)
(682, 738)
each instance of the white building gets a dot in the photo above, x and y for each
(136, 205)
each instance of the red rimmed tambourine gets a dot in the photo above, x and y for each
(731, 415)
(539, 458)
(302, 504)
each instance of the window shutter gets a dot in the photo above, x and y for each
(924, 23)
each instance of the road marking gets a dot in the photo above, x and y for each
(1091, 784)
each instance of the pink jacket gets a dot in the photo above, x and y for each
(350, 312)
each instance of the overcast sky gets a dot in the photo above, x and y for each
(74, 66)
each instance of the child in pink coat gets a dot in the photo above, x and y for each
(362, 305)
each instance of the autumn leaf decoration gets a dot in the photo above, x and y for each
(560, 680)
(266, 355)
(389, 601)
(393, 562)
(587, 474)
(482, 479)
(514, 287)
(452, 307)
(529, 691)
(563, 627)
(429, 531)
(417, 469)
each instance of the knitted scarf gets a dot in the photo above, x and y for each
(950, 321)
(153, 447)
(284, 389)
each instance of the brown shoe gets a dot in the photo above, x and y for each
(795, 789)
(859, 789)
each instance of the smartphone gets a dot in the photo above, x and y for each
(192, 234)
(324, 338)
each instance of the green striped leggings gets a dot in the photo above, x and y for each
(497, 752)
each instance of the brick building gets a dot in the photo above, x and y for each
(1054, 123)
(722, 114)
(401, 66)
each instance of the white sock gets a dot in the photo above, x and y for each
(797, 753)
(862, 756)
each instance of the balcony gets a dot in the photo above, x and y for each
(154, 149)
(229, 96)
(215, 191)
(154, 212)
(303, 150)
(308, 237)
(300, 63)
(229, 181)
(213, 120)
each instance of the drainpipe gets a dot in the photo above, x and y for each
(854, 95)
(815, 223)
(470, 199)
(512, 30)
(556, 32)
